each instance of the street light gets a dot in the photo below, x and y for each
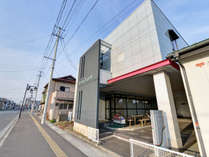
(28, 88)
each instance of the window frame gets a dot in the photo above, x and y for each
(62, 87)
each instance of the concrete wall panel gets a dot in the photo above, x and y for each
(89, 85)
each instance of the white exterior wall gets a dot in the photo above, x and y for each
(198, 79)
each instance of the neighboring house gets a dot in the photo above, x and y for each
(29, 102)
(194, 65)
(2, 103)
(6, 104)
(60, 98)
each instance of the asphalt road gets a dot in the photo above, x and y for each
(26, 140)
(6, 117)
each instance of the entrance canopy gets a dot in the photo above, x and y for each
(140, 82)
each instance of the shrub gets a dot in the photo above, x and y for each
(53, 121)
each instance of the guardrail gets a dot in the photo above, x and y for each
(142, 149)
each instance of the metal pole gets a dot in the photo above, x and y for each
(50, 80)
(23, 102)
(37, 86)
(131, 149)
(31, 99)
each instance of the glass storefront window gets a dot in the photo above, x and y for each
(127, 107)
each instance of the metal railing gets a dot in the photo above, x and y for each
(64, 95)
(142, 149)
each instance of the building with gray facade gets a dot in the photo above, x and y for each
(127, 74)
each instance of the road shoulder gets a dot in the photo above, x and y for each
(7, 130)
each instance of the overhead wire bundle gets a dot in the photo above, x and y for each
(65, 20)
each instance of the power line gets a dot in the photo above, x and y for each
(113, 19)
(51, 39)
(18, 70)
(58, 37)
(76, 10)
(117, 16)
(59, 17)
(67, 56)
(76, 30)
(67, 21)
(37, 86)
(65, 24)
(83, 20)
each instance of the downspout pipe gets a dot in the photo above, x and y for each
(192, 109)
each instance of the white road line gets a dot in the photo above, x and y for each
(6, 131)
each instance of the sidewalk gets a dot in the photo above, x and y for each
(26, 140)
(88, 148)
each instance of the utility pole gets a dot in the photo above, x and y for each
(51, 75)
(37, 86)
(31, 97)
(23, 102)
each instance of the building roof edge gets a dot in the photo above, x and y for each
(174, 55)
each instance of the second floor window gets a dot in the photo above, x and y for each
(67, 89)
(80, 97)
(62, 88)
(82, 66)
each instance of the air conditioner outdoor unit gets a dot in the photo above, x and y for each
(159, 129)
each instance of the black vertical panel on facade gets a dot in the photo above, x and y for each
(88, 84)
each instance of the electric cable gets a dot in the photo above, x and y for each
(83, 20)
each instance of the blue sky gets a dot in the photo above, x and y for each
(25, 27)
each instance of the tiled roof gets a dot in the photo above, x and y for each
(66, 79)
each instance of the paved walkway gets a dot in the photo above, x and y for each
(30, 139)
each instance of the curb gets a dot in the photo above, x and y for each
(64, 134)
(6, 131)
(69, 136)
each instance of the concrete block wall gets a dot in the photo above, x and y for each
(89, 132)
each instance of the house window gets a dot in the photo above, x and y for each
(61, 106)
(70, 106)
(80, 96)
(82, 67)
(65, 106)
(67, 89)
(105, 60)
(62, 88)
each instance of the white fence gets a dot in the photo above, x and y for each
(141, 149)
